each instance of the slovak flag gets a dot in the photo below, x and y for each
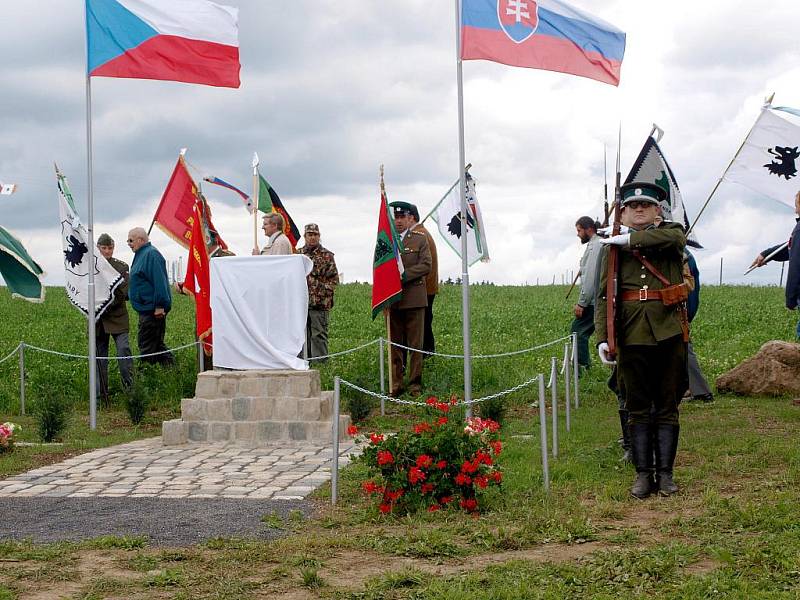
(542, 34)
(194, 41)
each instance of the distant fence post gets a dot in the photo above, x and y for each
(22, 378)
(720, 270)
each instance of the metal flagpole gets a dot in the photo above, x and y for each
(462, 186)
(90, 314)
(256, 189)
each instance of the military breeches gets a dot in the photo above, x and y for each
(653, 380)
(407, 328)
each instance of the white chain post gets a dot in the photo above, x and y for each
(383, 376)
(554, 403)
(543, 435)
(575, 367)
(567, 370)
(335, 434)
(22, 378)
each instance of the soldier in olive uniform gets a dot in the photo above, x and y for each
(651, 336)
(321, 285)
(114, 322)
(407, 317)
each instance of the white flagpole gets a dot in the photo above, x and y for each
(90, 243)
(465, 313)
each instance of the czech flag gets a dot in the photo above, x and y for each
(542, 34)
(194, 41)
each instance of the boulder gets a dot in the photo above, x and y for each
(773, 371)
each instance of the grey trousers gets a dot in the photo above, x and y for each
(317, 333)
(698, 386)
(125, 364)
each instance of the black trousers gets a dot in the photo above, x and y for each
(653, 380)
(151, 339)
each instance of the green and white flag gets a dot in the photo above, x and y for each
(447, 215)
(77, 259)
(22, 274)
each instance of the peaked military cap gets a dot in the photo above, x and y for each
(640, 191)
(105, 240)
(403, 208)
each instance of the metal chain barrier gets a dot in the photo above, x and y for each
(67, 355)
(501, 355)
(13, 353)
(343, 352)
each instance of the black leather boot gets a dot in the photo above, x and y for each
(666, 448)
(626, 436)
(642, 450)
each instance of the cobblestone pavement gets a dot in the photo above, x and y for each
(146, 468)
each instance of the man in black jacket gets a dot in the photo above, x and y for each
(790, 252)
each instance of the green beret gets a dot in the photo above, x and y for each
(105, 240)
(403, 208)
(639, 191)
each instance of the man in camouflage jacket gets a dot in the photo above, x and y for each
(321, 285)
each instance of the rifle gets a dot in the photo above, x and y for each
(612, 281)
(572, 287)
(606, 212)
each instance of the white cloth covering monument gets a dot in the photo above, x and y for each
(259, 392)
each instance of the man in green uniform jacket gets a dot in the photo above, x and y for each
(650, 333)
(115, 323)
(407, 317)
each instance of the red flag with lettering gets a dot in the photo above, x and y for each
(174, 214)
(198, 280)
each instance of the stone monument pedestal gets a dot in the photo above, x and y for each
(257, 408)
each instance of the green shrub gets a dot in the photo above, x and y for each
(494, 409)
(359, 406)
(52, 411)
(136, 400)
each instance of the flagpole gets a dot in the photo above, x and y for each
(462, 189)
(90, 242)
(446, 194)
(767, 104)
(255, 201)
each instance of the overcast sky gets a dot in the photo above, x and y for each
(330, 90)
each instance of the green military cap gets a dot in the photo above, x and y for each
(105, 240)
(640, 191)
(403, 208)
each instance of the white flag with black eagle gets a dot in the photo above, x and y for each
(769, 159)
(447, 215)
(651, 167)
(77, 259)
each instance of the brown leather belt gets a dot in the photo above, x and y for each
(641, 295)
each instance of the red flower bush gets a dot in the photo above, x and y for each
(430, 467)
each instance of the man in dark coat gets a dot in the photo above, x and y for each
(651, 336)
(150, 297)
(407, 317)
(114, 322)
(321, 285)
(791, 253)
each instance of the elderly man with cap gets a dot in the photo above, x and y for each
(407, 317)
(115, 323)
(321, 285)
(651, 333)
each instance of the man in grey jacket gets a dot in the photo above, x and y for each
(583, 324)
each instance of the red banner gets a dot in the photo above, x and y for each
(175, 213)
(387, 288)
(198, 282)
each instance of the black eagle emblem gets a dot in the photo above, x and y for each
(454, 226)
(785, 166)
(75, 252)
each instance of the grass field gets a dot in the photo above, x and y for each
(733, 531)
